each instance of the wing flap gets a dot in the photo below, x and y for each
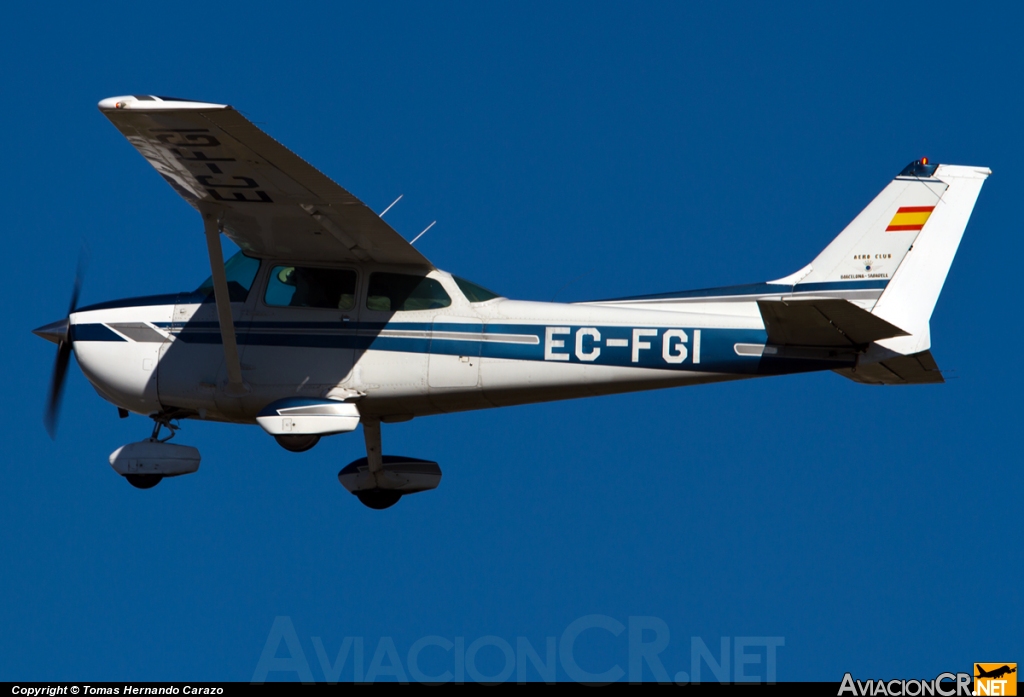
(272, 203)
(824, 322)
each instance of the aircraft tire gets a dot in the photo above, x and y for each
(297, 444)
(378, 499)
(143, 481)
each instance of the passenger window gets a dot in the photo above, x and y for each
(399, 292)
(300, 286)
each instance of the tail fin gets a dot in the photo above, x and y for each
(910, 297)
(902, 244)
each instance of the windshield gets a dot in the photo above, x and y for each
(473, 292)
(240, 271)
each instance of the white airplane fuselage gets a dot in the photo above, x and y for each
(164, 353)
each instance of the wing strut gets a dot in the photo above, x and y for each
(223, 300)
(371, 433)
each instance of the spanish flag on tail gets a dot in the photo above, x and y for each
(909, 218)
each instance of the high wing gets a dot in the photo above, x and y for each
(270, 202)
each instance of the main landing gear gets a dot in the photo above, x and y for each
(297, 443)
(379, 481)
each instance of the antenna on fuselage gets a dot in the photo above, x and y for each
(423, 233)
(392, 204)
(570, 283)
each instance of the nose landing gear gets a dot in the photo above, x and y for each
(146, 463)
(144, 481)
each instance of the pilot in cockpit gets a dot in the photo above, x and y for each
(323, 288)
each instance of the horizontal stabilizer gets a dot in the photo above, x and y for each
(915, 369)
(825, 322)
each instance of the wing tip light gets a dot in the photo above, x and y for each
(150, 102)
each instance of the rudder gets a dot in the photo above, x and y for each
(910, 296)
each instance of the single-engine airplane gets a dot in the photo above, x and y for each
(327, 318)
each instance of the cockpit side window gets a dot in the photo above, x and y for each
(473, 292)
(399, 292)
(241, 272)
(300, 286)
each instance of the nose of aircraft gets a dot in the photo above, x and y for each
(54, 331)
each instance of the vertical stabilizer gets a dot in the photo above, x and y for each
(902, 245)
(910, 297)
(872, 246)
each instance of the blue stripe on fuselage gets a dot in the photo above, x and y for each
(524, 342)
(521, 342)
(753, 289)
(93, 332)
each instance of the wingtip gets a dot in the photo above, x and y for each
(151, 102)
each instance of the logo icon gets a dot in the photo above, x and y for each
(995, 678)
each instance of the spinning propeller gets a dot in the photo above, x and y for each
(60, 333)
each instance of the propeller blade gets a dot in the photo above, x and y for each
(60, 332)
(83, 261)
(60, 371)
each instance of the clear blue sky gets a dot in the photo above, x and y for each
(643, 149)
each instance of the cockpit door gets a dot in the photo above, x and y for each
(302, 332)
(191, 371)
